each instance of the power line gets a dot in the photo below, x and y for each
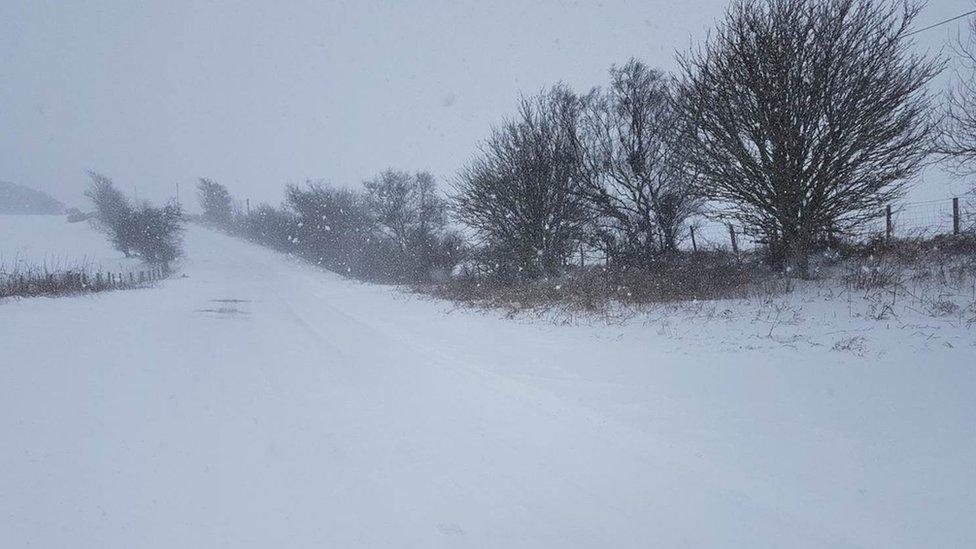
(940, 23)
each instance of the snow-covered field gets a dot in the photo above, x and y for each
(260, 402)
(49, 242)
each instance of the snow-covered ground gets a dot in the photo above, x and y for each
(260, 402)
(49, 242)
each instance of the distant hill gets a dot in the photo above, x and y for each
(18, 199)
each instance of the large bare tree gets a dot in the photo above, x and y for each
(633, 155)
(957, 140)
(519, 196)
(809, 114)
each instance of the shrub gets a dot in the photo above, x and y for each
(409, 212)
(519, 197)
(333, 228)
(684, 277)
(156, 232)
(149, 232)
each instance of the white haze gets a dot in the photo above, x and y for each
(260, 94)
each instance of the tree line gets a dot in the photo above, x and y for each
(796, 119)
(395, 228)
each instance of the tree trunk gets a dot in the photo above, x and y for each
(799, 255)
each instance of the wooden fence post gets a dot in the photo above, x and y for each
(735, 243)
(955, 215)
(889, 228)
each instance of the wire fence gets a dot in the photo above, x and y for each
(32, 283)
(924, 219)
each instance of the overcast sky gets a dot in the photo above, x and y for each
(260, 94)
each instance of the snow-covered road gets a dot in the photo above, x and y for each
(261, 402)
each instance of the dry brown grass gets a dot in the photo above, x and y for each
(936, 276)
(690, 277)
(933, 276)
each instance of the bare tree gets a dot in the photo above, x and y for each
(149, 232)
(270, 226)
(216, 202)
(411, 213)
(332, 226)
(406, 206)
(633, 158)
(519, 196)
(113, 212)
(157, 232)
(109, 201)
(808, 114)
(957, 140)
